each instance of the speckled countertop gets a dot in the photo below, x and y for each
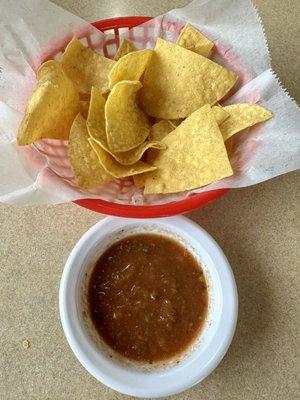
(257, 227)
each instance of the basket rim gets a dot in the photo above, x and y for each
(191, 203)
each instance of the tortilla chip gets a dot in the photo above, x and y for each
(84, 108)
(96, 118)
(126, 125)
(52, 107)
(96, 128)
(242, 116)
(177, 82)
(125, 47)
(220, 114)
(87, 169)
(160, 130)
(192, 39)
(130, 67)
(85, 67)
(195, 156)
(117, 170)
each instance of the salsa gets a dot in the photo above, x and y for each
(148, 297)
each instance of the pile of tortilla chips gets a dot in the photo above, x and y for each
(150, 114)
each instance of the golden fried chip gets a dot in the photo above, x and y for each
(160, 130)
(84, 108)
(220, 114)
(194, 40)
(130, 67)
(96, 128)
(96, 118)
(85, 67)
(86, 166)
(242, 116)
(126, 124)
(195, 156)
(52, 107)
(125, 47)
(114, 168)
(178, 81)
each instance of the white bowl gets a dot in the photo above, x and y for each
(203, 356)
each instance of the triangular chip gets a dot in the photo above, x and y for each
(52, 107)
(86, 166)
(114, 168)
(85, 67)
(96, 128)
(127, 126)
(195, 156)
(178, 81)
(194, 40)
(130, 67)
(242, 116)
(125, 47)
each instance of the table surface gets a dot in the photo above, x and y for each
(257, 228)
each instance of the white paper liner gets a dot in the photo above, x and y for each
(41, 174)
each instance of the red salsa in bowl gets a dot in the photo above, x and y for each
(148, 297)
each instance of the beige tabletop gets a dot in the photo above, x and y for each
(257, 227)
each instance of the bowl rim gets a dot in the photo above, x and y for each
(224, 331)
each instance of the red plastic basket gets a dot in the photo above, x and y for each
(134, 211)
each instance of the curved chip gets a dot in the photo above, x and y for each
(117, 170)
(96, 128)
(178, 81)
(242, 116)
(52, 107)
(195, 156)
(96, 117)
(127, 126)
(83, 159)
(130, 67)
(85, 67)
(192, 39)
(125, 47)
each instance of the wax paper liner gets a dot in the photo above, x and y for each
(37, 31)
